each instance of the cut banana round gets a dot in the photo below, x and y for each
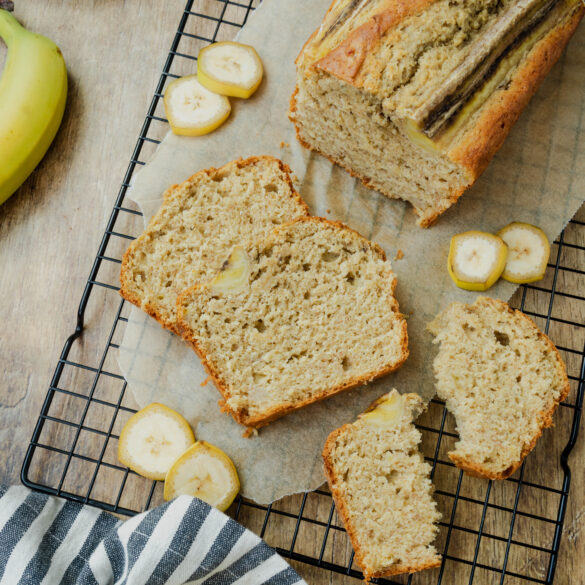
(386, 411)
(476, 260)
(152, 439)
(234, 275)
(193, 110)
(230, 69)
(528, 252)
(205, 472)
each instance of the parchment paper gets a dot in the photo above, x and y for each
(538, 177)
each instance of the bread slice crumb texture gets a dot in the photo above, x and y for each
(318, 316)
(382, 488)
(197, 225)
(502, 379)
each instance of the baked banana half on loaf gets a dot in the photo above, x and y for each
(305, 313)
(416, 96)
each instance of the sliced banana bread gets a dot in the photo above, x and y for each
(416, 96)
(197, 225)
(303, 314)
(502, 379)
(382, 488)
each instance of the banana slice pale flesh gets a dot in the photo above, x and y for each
(205, 472)
(476, 260)
(153, 439)
(528, 252)
(230, 68)
(194, 110)
(386, 411)
(234, 276)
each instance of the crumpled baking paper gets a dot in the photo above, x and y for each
(538, 177)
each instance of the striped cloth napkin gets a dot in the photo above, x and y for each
(50, 541)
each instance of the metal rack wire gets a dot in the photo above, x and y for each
(491, 532)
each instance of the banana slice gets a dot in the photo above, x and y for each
(152, 440)
(386, 411)
(193, 110)
(230, 69)
(205, 472)
(476, 260)
(528, 252)
(234, 275)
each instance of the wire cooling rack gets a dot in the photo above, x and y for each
(505, 532)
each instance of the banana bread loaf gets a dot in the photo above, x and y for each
(416, 96)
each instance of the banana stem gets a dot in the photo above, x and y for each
(9, 26)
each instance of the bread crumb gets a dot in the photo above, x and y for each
(250, 432)
(284, 144)
(329, 211)
(206, 381)
(399, 255)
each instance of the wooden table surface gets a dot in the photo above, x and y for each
(50, 230)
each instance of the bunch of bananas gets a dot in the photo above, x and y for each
(33, 91)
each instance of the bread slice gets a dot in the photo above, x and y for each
(415, 97)
(303, 314)
(502, 379)
(197, 225)
(382, 488)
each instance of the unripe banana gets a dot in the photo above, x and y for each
(33, 91)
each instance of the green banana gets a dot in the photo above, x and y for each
(33, 92)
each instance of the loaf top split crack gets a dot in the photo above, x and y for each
(382, 488)
(305, 313)
(416, 96)
(197, 225)
(502, 379)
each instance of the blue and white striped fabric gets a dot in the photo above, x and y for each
(48, 541)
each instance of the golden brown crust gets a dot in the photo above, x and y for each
(481, 142)
(476, 469)
(342, 510)
(125, 277)
(276, 412)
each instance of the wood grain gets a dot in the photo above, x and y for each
(49, 233)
